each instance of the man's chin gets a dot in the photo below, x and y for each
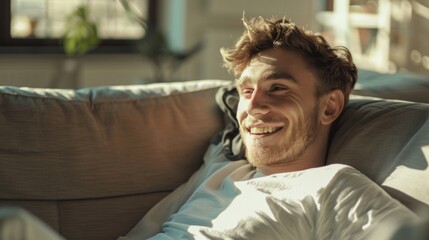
(261, 158)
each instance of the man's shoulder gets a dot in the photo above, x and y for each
(344, 173)
(328, 173)
(334, 177)
(336, 172)
(344, 176)
(337, 168)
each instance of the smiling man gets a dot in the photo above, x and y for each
(291, 87)
(283, 124)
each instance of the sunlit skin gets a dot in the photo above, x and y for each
(283, 124)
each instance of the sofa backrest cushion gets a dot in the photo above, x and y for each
(388, 141)
(64, 149)
(401, 85)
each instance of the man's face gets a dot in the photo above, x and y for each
(278, 111)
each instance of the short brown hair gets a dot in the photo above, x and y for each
(333, 67)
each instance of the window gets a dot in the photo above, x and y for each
(40, 23)
(364, 26)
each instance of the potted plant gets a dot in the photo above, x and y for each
(80, 36)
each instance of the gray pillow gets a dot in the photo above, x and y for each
(388, 141)
(401, 85)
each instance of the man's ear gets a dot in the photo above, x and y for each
(333, 105)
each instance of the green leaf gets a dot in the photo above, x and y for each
(81, 34)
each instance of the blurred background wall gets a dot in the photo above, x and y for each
(384, 35)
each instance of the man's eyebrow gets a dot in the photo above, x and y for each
(280, 75)
(268, 76)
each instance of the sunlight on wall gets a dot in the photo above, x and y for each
(175, 15)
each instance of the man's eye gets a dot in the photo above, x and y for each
(278, 88)
(247, 92)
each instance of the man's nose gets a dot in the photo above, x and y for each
(258, 104)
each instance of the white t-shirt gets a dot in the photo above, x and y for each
(231, 200)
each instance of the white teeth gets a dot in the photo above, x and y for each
(261, 130)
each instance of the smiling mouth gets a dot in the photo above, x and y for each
(263, 130)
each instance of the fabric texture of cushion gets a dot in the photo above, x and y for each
(70, 148)
(401, 85)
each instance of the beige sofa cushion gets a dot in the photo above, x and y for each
(91, 162)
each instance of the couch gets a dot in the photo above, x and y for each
(91, 162)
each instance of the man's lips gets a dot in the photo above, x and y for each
(263, 130)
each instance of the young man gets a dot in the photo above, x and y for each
(292, 86)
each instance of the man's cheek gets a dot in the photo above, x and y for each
(240, 113)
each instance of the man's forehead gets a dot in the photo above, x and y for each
(276, 64)
(263, 63)
(263, 58)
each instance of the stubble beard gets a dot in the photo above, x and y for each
(293, 145)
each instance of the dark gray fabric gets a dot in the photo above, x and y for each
(402, 85)
(227, 99)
